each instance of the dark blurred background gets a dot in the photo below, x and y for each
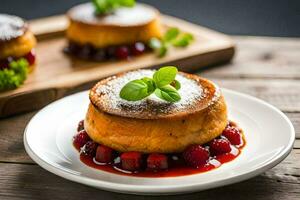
(239, 17)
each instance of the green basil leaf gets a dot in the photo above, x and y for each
(168, 93)
(164, 76)
(127, 3)
(155, 43)
(134, 90)
(162, 51)
(107, 6)
(183, 40)
(176, 84)
(157, 92)
(101, 6)
(158, 46)
(171, 34)
(150, 83)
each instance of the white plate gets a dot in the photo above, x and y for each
(269, 135)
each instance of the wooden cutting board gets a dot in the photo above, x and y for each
(57, 75)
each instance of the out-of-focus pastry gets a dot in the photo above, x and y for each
(121, 33)
(17, 56)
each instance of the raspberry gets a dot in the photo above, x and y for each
(220, 146)
(80, 126)
(99, 55)
(81, 139)
(157, 161)
(4, 64)
(89, 148)
(131, 161)
(233, 135)
(73, 48)
(122, 52)
(110, 52)
(30, 57)
(85, 51)
(138, 48)
(196, 156)
(104, 154)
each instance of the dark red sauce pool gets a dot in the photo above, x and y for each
(177, 166)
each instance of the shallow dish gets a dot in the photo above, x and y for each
(268, 132)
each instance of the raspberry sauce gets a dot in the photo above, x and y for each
(177, 166)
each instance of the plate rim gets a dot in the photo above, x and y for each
(177, 189)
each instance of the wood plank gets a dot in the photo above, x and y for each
(295, 118)
(283, 94)
(19, 181)
(11, 139)
(262, 57)
(57, 74)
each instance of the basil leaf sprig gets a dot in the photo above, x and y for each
(14, 76)
(162, 84)
(173, 37)
(107, 6)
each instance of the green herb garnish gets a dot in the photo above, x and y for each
(108, 6)
(162, 84)
(171, 34)
(168, 93)
(173, 37)
(15, 75)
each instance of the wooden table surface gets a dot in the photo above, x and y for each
(268, 68)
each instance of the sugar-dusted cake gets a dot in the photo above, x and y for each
(153, 125)
(16, 41)
(157, 123)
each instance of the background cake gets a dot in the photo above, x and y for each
(124, 26)
(16, 40)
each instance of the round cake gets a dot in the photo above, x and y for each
(16, 40)
(125, 25)
(153, 125)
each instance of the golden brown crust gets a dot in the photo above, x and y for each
(211, 93)
(16, 39)
(103, 33)
(160, 135)
(164, 134)
(18, 47)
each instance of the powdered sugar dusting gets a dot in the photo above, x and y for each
(190, 92)
(11, 27)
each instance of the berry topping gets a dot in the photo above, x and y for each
(81, 139)
(30, 57)
(99, 55)
(157, 161)
(110, 52)
(90, 148)
(73, 48)
(131, 161)
(122, 52)
(220, 146)
(80, 126)
(4, 64)
(196, 155)
(233, 135)
(104, 154)
(85, 51)
(137, 48)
